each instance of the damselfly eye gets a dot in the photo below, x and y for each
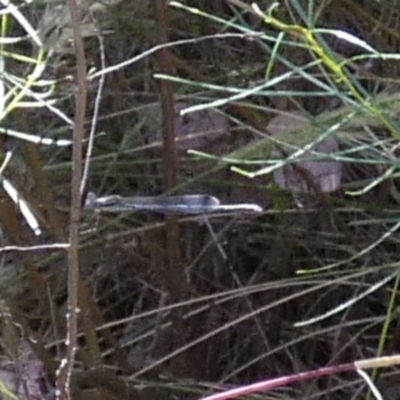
(90, 200)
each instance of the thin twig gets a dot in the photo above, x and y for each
(54, 246)
(155, 49)
(65, 370)
(92, 132)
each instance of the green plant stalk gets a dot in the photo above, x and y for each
(337, 68)
(273, 55)
(17, 57)
(6, 392)
(385, 329)
(31, 80)
(5, 24)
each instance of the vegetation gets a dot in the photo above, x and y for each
(292, 106)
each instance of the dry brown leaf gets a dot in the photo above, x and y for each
(196, 130)
(324, 175)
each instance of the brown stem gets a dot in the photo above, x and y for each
(172, 273)
(66, 367)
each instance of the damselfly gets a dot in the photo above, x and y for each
(186, 204)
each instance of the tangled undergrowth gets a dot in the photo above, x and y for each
(293, 107)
